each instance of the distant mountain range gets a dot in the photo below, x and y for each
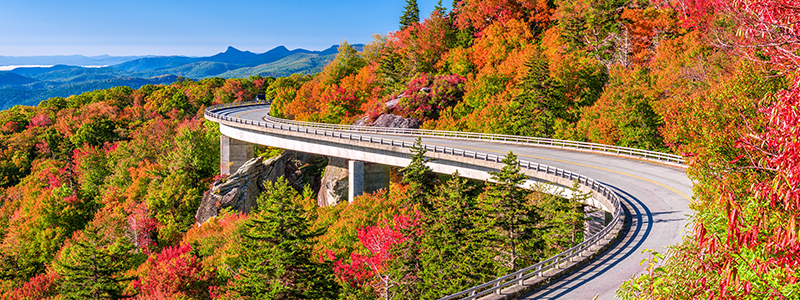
(31, 85)
(72, 60)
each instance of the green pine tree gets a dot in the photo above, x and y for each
(452, 254)
(419, 177)
(93, 266)
(439, 8)
(276, 258)
(410, 15)
(564, 221)
(534, 111)
(392, 70)
(406, 264)
(508, 215)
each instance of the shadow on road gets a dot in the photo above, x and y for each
(638, 224)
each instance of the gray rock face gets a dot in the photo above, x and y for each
(391, 104)
(391, 121)
(334, 183)
(240, 190)
(395, 121)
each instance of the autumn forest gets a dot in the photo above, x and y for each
(98, 191)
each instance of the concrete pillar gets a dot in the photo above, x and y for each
(356, 178)
(366, 178)
(376, 177)
(233, 154)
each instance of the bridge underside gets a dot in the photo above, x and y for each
(233, 154)
(363, 176)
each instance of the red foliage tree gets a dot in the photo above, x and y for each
(482, 13)
(372, 269)
(42, 286)
(39, 120)
(141, 228)
(426, 95)
(175, 273)
(765, 218)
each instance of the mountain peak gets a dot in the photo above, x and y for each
(231, 49)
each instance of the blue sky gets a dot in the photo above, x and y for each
(191, 27)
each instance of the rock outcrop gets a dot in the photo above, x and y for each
(240, 190)
(395, 121)
(334, 184)
(391, 121)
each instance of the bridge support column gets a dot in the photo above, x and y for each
(366, 178)
(376, 177)
(356, 178)
(233, 153)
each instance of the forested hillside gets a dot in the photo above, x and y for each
(99, 190)
(715, 81)
(31, 85)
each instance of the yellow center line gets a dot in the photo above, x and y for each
(249, 111)
(584, 165)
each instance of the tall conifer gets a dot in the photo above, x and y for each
(534, 111)
(276, 260)
(452, 254)
(563, 224)
(93, 266)
(508, 216)
(419, 177)
(439, 8)
(410, 15)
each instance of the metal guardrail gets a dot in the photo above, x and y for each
(533, 141)
(497, 285)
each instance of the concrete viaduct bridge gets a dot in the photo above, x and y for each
(645, 193)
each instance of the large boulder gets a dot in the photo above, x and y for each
(334, 185)
(241, 189)
(395, 121)
(390, 121)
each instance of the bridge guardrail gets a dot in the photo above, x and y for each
(606, 235)
(656, 156)
(534, 141)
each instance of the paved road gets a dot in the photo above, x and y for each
(655, 198)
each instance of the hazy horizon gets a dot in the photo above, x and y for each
(190, 28)
(153, 55)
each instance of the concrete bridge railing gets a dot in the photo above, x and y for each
(581, 252)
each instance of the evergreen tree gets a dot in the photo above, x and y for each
(439, 8)
(419, 177)
(392, 71)
(410, 16)
(534, 111)
(407, 265)
(93, 266)
(508, 216)
(564, 221)
(276, 259)
(452, 254)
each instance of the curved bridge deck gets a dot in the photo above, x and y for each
(654, 197)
